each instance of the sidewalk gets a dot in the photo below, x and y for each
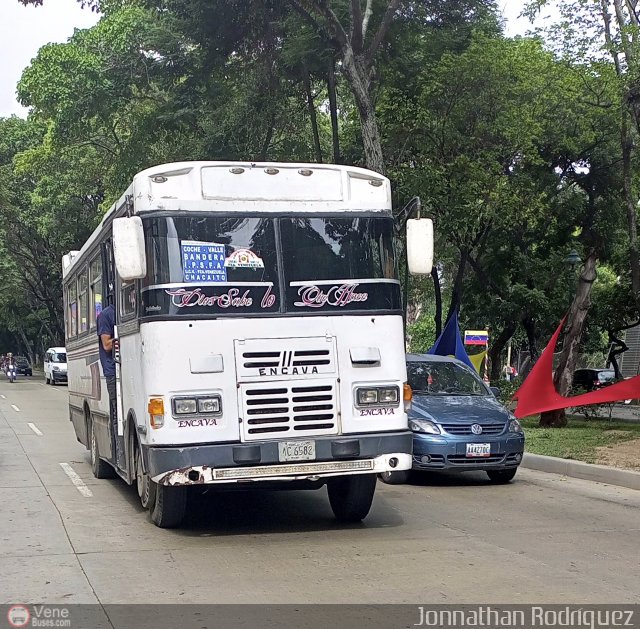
(621, 412)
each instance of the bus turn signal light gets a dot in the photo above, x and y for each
(156, 412)
(407, 395)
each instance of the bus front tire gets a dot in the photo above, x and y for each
(351, 496)
(145, 486)
(170, 506)
(395, 478)
(99, 467)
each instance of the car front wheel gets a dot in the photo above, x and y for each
(501, 477)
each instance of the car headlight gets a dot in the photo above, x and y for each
(378, 396)
(185, 406)
(55, 368)
(424, 425)
(515, 426)
(209, 405)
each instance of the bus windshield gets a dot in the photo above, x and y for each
(205, 264)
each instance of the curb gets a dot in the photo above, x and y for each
(585, 471)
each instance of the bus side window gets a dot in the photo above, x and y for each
(72, 310)
(95, 290)
(128, 300)
(83, 302)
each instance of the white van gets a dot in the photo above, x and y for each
(55, 365)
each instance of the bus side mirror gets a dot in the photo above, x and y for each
(420, 246)
(128, 248)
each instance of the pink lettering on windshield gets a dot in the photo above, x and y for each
(187, 298)
(340, 296)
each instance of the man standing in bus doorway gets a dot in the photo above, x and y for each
(106, 326)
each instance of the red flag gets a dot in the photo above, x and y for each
(538, 393)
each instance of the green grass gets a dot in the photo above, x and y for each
(579, 439)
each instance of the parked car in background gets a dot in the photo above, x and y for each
(592, 379)
(587, 380)
(23, 366)
(458, 424)
(55, 365)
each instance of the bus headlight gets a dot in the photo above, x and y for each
(389, 395)
(366, 397)
(378, 396)
(209, 405)
(185, 405)
(197, 405)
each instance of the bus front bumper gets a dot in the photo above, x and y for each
(259, 461)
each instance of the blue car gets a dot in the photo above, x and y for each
(458, 425)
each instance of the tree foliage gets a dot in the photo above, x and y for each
(520, 149)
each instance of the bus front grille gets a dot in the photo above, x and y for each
(289, 409)
(285, 359)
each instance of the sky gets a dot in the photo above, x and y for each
(23, 30)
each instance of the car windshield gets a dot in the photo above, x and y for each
(443, 378)
(607, 376)
(22, 360)
(59, 358)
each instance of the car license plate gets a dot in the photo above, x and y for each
(297, 450)
(478, 449)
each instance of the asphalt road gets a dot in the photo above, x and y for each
(450, 539)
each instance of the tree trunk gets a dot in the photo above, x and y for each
(616, 347)
(333, 111)
(496, 348)
(358, 78)
(311, 106)
(456, 292)
(572, 335)
(438, 300)
(530, 328)
(267, 140)
(26, 344)
(630, 203)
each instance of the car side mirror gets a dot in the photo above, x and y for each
(496, 391)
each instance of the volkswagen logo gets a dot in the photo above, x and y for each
(476, 429)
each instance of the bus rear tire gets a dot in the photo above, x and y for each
(99, 467)
(351, 496)
(170, 506)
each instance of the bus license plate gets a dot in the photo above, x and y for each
(478, 449)
(297, 450)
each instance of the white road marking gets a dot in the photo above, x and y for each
(76, 480)
(35, 429)
(4, 397)
(15, 408)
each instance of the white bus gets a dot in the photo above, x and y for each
(259, 332)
